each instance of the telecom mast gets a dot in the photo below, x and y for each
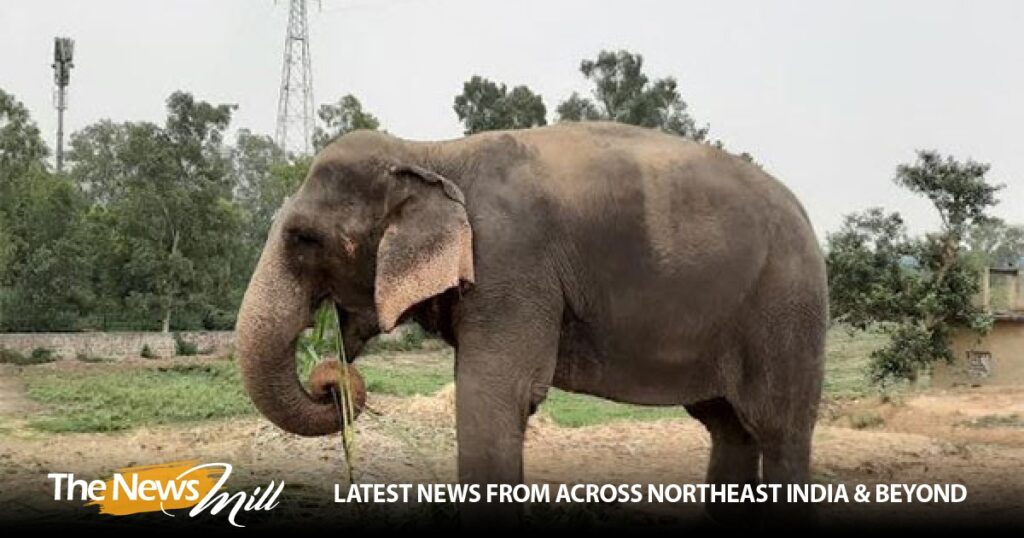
(63, 51)
(295, 104)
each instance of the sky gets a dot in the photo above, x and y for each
(828, 96)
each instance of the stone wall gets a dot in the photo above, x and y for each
(110, 345)
(116, 344)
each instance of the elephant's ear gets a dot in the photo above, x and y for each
(426, 248)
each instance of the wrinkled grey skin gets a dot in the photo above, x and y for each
(606, 259)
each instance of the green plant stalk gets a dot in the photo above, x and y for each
(344, 402)
(348, 404)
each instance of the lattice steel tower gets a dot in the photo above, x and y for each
(295, 104)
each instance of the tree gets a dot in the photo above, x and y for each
(916, 289)
(578, 108)
(49, 272)
(163, 211)
(22, 153)
(154, 226)
(623, 93)
(345, 116)
(99, 161)
(44, 272)
(264, 175)
(868, 258)
(253, 160)
(21, 146)
(995, 243)
(487, 106)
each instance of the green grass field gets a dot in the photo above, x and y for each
(83, 401)
(846, 358)
(110, 399)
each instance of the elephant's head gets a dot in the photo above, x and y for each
(369, 229)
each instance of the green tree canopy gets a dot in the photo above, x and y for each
(154, 225)
(484, 105)
(917, 289)
(994, 243)
(254, 158)
(624, 93)
(342, 117)
(21, 146)
(22, 154)
(164, 212)
(43, 274)
(264, 176)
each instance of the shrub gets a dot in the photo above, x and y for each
(183, 347)
(147, 352)
(42, 354)
(39, 355)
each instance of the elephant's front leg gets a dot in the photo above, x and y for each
(503, 369)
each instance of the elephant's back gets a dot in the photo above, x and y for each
(688, 197)
(632, 205)
(577, 158)
(656, 228)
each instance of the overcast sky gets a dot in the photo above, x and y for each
(828, 96)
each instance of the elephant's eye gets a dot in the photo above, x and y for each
(304, 238)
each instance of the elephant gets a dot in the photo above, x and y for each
(595, 257)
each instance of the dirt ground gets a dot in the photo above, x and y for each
(971, 436)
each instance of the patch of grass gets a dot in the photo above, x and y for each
(405, 381)
(576, 410)
(118, 400)
(1012, 420)
(39, 355)
(847, 354)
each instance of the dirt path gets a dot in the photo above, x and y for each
(968, 437)
(13, 402)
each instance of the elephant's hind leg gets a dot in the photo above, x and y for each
(734, 457)
(776, 395)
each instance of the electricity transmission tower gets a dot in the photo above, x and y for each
(295, 104)
(63, 53)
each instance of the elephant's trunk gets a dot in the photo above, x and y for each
(275, 310)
